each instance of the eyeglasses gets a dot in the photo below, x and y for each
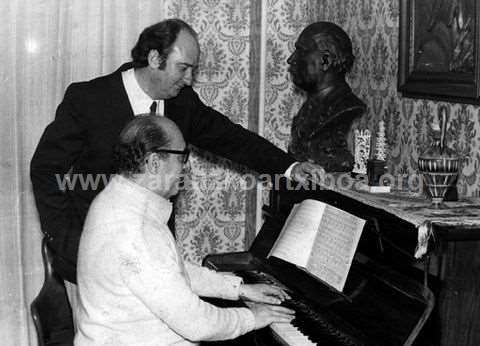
(185, 152)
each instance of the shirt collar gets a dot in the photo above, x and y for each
(139, 100)
(142, 199)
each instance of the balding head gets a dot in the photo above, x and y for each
(141, 137)
(152, 153)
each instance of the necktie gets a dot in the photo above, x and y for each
(153, 108)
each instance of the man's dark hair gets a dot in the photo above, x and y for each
(160, 37)
(138, 139)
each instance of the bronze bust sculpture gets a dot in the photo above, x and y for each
(323, 55)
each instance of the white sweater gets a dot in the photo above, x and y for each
(134, 287)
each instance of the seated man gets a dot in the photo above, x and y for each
(134, 287)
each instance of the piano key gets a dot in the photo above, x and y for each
(308, 323)
(290, 334)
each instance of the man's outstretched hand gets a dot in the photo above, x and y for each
(306, 171)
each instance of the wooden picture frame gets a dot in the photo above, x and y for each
(439, 50)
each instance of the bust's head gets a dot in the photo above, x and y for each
(323, 52)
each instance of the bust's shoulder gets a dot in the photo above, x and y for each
(343, 100)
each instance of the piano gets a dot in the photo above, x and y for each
(378, 306)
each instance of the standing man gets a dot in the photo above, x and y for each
(134, 287)
(323, 55)
(79, 142)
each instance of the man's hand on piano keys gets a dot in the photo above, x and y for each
(263, 293)
(267, 314)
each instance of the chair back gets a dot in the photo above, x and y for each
(50, 310)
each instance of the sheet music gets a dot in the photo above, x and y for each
(335, 246)
(295, 245)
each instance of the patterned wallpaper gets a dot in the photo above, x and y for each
(285, 21)
(210, 217)
(373, 27)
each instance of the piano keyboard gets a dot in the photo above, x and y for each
(290, 334)
(309, 327)
(286, 332)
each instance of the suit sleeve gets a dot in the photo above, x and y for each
(214, 132)
(60, 145)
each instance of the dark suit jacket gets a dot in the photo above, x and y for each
(80, 141)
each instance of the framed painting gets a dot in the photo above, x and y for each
(439, 50)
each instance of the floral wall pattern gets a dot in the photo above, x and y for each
(373, 28)
(210, 217)
(285, 21)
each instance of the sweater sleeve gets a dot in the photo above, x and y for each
(151, 270)
(208, 283)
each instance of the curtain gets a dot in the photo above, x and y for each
(46, 44)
